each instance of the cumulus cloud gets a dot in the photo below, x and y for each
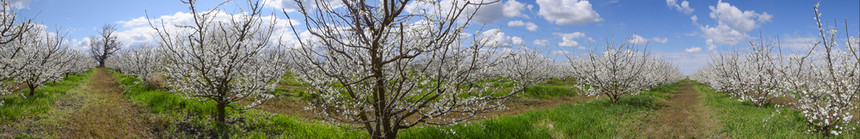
(79, 44)
(138, 30)
(684, 7)
(568, 39)
(744, 21)
(694, 18)
(542, 43)
(568, 11)
(516, 40)
(711, 45)
(638, 40)
(487, 14)
(722, 34)
(693, 50)
(732, 24)
(519, 23)
(660, 40)
(495, 37)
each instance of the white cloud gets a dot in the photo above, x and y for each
(732, 24)
(513, 8)
(560, 52)
(694, 18)
(80, 44)
(741, 20)
(491, 13)
(764, 17)
(495, 37)
(516, 40)
(660, 40)
(590, 40)
(683, 8)
(519, 23)
(693, 50)
(567, 39)
(568, 11)
(542, 43)
(638, 40)
(722, 34)
(20, 4)
(711, 45)
(292, 6)
(138, 30)
(487, 14)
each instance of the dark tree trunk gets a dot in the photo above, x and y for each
(32, 89)
(392, 134)
(221, 120)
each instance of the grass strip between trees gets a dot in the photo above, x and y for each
(745, 120)
(186, 118)
(16, 107)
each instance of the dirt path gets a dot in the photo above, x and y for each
(104, 113)
(682, 116)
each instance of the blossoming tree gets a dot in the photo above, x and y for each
(222, 57)
(379, 68)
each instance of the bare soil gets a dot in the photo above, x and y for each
(682, 116)
(105, 113)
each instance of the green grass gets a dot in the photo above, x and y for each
(595, 119)
(16, 107)
(548, 91)
(186, 118)
(744, 120)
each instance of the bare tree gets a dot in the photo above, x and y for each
(222, 57)
(104, 45)
(381, 69)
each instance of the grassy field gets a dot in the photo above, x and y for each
(17, 107)
(43, 114)
(745, 120)
(595, 119)
(171, 116)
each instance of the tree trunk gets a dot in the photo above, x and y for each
(613, 98)
(32, 89)
(392, 134)
(221, 121)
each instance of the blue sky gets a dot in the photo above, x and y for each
(555, 26)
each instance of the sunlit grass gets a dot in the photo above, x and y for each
(17, 107)
(745, 120)
(186, 118)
